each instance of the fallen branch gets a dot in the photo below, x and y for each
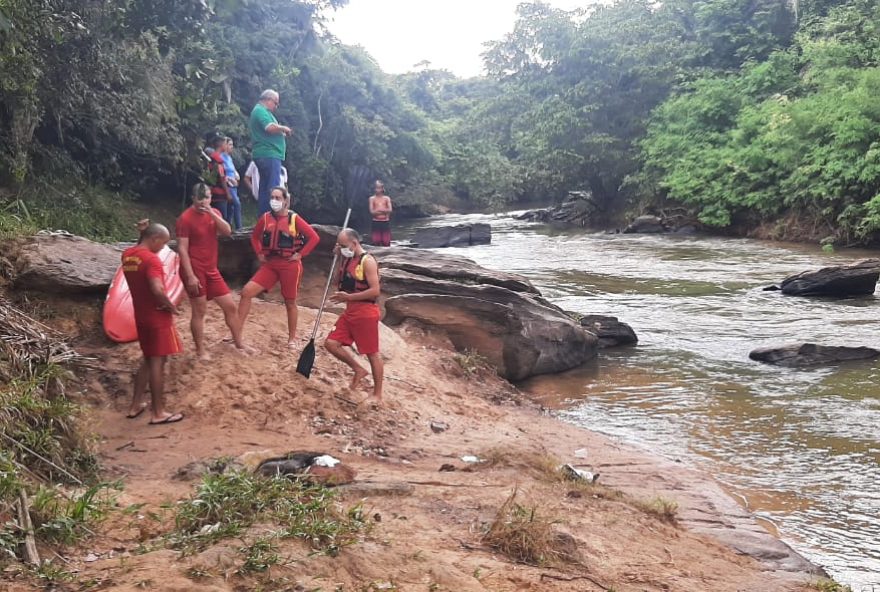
(573, 578)
(31, 554)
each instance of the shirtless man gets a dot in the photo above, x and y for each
(359, 324)
(380, 210)
(153, 313)
(197, 231)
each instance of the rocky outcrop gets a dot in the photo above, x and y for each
(858, 279)
(646, 225)
(462, 235)
(519, 339)
(63, 263)
(578, 209)
(811, 354)
(610, 331)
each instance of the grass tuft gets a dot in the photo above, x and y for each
(523, 534)
(827, 585)
(660, 507)
(472, 362)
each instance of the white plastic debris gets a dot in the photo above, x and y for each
(581, 453)
(575, 474)
(91, 558)
(470, 458)
(209, 528)
(325, 460)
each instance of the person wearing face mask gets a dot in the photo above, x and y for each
(281, 238)
(359, 324)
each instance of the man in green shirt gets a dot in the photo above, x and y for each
(269, 145)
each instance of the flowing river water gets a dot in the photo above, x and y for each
(801, 448)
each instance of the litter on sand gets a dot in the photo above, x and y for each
(470, 458)
(574, 474)
(325, 460)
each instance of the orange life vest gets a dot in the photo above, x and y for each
(280, 239)
(354, 282)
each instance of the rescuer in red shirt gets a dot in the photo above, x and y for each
(197, 230)
(281, 238)
(153, 313)
(359, 324)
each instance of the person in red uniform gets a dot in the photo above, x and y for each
(281, 238)
(380, 210)
(153, 313)
(359, 324)
(197, 231)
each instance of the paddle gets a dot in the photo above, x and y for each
(307, 357)
(306, 361)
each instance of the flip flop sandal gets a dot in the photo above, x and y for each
(137, 413)
(170, 419)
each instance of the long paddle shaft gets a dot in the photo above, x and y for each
(329, 281)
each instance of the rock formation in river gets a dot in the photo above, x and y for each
(811, 354)
(857, 279)
(461, 235)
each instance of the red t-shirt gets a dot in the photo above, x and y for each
(139, 265)
(201, 230)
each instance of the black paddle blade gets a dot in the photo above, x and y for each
(306, 359)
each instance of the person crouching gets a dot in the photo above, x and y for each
(359, 324)
(280, 239)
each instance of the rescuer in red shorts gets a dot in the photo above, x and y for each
(281, 238)
(359, 324)
(153, 313)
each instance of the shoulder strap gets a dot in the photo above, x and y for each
(291, 222)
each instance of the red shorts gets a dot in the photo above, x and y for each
(159, 341)
(212, 283)
(276, 269)
(358, 324)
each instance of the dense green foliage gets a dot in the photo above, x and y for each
(746, 111)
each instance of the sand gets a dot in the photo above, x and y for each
(430, 539)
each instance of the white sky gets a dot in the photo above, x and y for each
(448, 33)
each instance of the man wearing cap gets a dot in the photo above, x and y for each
(269, 145)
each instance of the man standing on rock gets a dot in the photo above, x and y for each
(269, 145)
(154, 317)
(197, 231)
(359, 324)
(380, 210)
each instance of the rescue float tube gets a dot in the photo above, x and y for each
(118, 318)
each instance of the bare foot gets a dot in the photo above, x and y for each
(136, 410)
(359, 375)
(204, 356)
(247, 350)
(372, 403)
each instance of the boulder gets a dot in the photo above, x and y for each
(462, 235)
(609, 330)
(578, 209)
(645, 225)
(520, 339)
(63, 263)
(857, 279)
(811, 354)
(311, 466)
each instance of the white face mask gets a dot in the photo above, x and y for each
(276, 205)
(346, 252)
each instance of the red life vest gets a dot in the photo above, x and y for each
(280, 239)
(354, 280)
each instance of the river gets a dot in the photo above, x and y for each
(801, 448)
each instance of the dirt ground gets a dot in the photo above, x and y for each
(427, 531)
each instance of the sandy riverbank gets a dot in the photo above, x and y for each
(431, 537)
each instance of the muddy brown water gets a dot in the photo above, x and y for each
(801, 448)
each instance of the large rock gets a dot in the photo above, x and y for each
(646, 225)
(811, 354)
(858, 279)
(62, 263)
(578, 209)
(609, 330)
(462, 235)
(520, 339)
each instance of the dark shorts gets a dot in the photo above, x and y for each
(381, 233)
(359, 324)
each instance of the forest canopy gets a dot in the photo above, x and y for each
(746, 112)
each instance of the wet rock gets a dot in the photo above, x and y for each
(610, 331)
(461, 235)
(858, 279)
(447, 468)
(520, 339)
(646, 225)
(578, 209)
(62, 263)
(811, 354)
(207, 466)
